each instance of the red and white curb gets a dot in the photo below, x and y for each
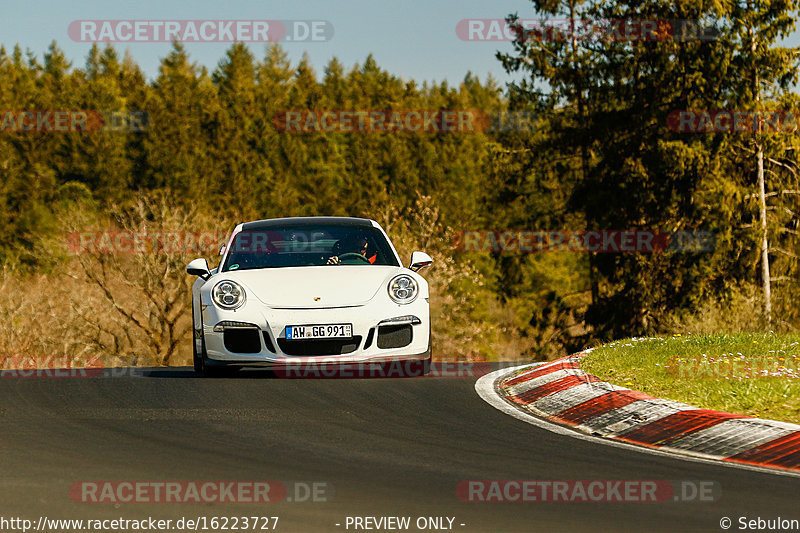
(561, 393)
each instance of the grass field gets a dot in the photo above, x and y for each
(751, 374)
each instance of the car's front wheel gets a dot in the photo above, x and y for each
(199, 358)
(201, 367)
(198, 354)
(426, 366)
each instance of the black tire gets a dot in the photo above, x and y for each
(197, 358)
(426, 363)
(426, 366)
(201, 367)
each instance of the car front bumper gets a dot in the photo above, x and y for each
(264, 330)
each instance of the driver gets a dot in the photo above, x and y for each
(359, 245)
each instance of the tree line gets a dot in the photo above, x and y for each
(597, 150)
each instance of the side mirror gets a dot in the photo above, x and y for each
(420, 260)
(222, 249)
(198, 267)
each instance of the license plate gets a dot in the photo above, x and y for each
(319, 331)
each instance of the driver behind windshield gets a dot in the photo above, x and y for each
(355, 251)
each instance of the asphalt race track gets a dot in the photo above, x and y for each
(384, 447)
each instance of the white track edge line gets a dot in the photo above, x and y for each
(485, 387)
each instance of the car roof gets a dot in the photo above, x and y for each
(301, 221)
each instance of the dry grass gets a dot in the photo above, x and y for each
(722, 371)
(468, 323)
(135, 308)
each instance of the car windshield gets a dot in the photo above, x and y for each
(308, 245)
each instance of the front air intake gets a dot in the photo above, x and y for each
(242, 340)
(311, 347)
(394, 336)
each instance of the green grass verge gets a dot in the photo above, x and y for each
(750, 374)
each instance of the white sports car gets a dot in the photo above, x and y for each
(313, 290)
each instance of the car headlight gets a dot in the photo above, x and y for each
(228, 294)
(403, 289)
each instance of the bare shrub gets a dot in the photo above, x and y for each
(467, 320)
(137, 305)
(34, 325)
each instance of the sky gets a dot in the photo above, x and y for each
(412, 39)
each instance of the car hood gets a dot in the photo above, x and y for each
(313, 287)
